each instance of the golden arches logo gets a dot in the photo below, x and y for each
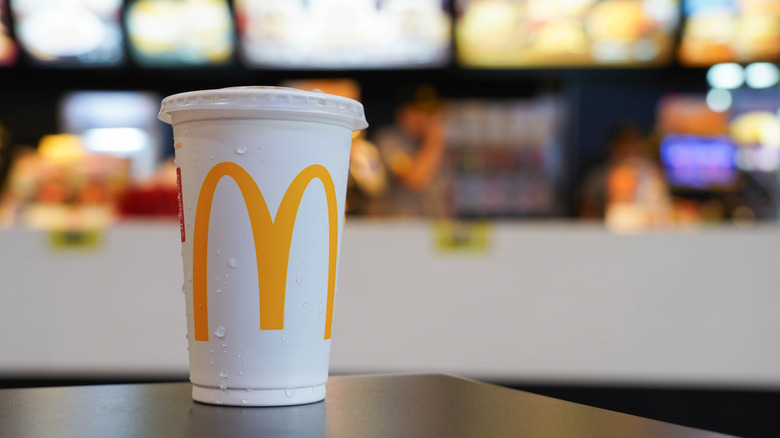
(272, 240)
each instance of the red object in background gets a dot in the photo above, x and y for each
(150, 201)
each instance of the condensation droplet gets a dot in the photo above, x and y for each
(223, 386)
(241, 149)
(233, 263)
(289, 392)
(219, 251)
(220, 332)
(223, 374)
(219, 291)
(299, 278)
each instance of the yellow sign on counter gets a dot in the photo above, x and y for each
(463, 237)
(78, 240)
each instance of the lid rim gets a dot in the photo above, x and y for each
(259, 99)
(273, 114)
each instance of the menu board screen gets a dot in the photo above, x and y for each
(730, 30)
(336, 34)
(699, 162)
(170, 33)
(70, 32)
(565, 33)
(8, 50)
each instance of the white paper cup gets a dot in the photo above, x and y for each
(262, 177)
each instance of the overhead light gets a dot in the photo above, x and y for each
(762, 75)
(726, 76)
(719, 100)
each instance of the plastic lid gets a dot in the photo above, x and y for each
(270, 102)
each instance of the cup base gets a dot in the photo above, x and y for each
(258, 397)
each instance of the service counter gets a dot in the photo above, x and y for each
(509, 301)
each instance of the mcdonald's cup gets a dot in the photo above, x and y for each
(262, 183)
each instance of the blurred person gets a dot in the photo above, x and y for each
(629, 191)
(413, 152)
(367, 184)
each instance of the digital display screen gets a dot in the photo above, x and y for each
(699, 162)
(718, 31)
(118, 123)
(180, 33)
(70, 33)
(338, 34)
(565, 33)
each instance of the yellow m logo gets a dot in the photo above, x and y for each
(272, 243)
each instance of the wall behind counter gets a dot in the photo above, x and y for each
(543, 302)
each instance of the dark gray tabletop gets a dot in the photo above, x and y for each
(359, 406)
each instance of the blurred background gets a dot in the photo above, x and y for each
(602, 175)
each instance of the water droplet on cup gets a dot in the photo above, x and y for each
(319, 315)
(219, 401)
(219, 291)
(223, 386)
(305, 304)
(289, 392)
(220, 332)
(219, 251)
(299, 278)
(244, 401)
(233, 263)
(284, 339)
(223, 374)
(241, 149)
(249, 390)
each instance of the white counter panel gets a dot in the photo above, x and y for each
(562, 302)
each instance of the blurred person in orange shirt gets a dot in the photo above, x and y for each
(629, 191)
(413, 152)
